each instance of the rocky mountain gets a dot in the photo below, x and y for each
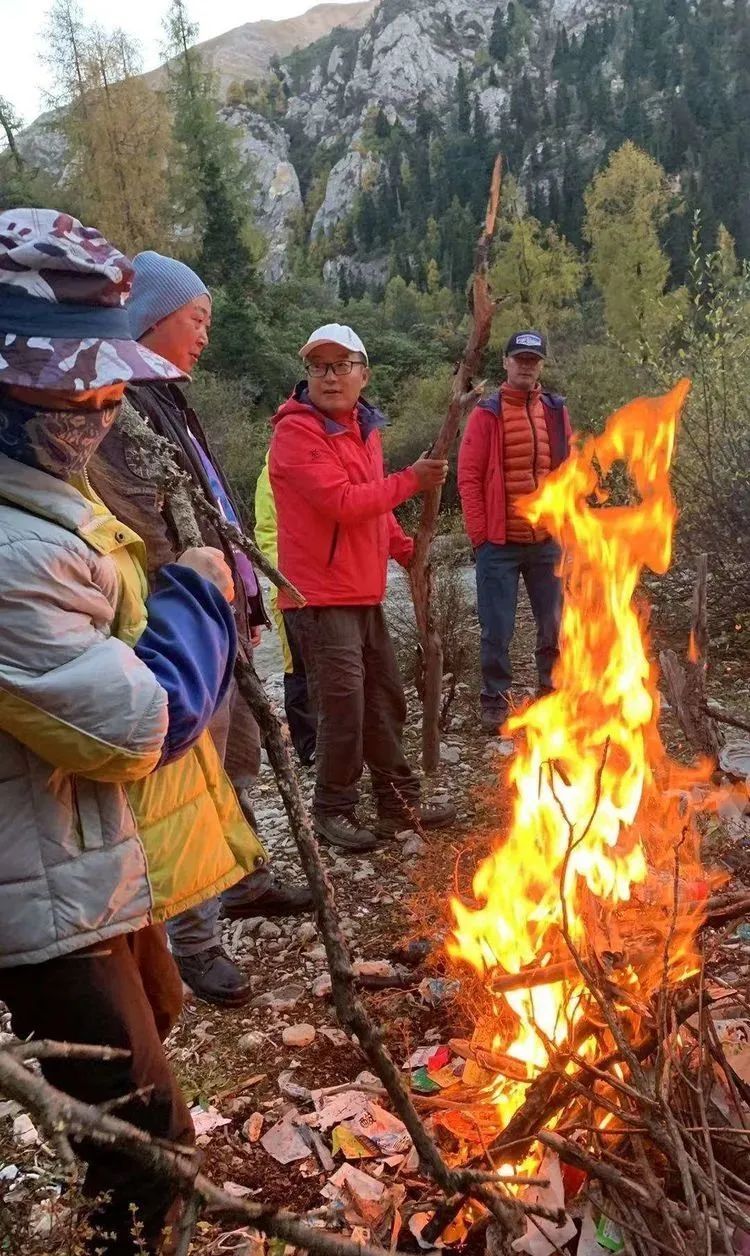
(395, 125)
(368, 147)
(246, 52)
(406, 56)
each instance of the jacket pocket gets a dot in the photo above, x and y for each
(334, 545)
(87, 816)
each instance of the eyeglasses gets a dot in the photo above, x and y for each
(319, 370)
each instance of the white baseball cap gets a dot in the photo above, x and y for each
(335, 334)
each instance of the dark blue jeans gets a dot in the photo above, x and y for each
(498, 570)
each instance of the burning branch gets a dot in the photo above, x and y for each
(465, 394)
(686, 683)
(586, 925)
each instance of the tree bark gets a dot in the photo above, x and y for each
(464, 395)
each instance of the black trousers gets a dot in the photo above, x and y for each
(123, 993)
(356, 690)
(299, 713)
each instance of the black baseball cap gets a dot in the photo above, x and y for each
(526, 342)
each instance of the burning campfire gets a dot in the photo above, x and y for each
(590, 905)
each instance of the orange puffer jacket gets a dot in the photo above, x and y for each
(512, 440)
(526, 457)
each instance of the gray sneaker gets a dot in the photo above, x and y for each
(344, 832)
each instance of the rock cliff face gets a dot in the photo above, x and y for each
(409, 52)
(392, 56)
(273, 186)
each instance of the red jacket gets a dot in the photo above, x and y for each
(482, 465)
(334, 505)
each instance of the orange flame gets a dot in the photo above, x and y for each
(597, 805)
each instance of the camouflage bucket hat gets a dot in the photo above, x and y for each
(62, 322)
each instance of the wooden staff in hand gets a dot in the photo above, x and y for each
(464, 396)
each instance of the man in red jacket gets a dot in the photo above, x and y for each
(336, 531)
(513, 440)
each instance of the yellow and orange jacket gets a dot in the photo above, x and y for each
(95, 838)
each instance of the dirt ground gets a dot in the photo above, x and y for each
(234, 1059)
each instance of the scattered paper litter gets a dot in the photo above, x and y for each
(417, 1223)
(353, 1146)
(734, 1036)
(423, 1083)
(544, 1237)
(206, 1120)
(388, 1134)
(368, 1079)
(448, 1076)
(437, 990)
(339, 1107)
(239, 1192)
(365, 1186)
(419, 1058)
(291, 1089)
(24, 1131)
(600, 1239)
(285, 1141)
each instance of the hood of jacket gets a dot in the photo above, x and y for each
(368, 415)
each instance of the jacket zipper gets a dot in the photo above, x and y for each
(334, 543)
(535, 443)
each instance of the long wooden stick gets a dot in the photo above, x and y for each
(464, 395)
(157, 454)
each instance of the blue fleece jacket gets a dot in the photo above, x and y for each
(190, 645)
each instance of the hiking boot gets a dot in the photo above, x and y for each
(344, 832)
(280, 899)
(213, 976)
(492, 721)
(436, 815)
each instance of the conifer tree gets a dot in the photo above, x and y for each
(498, 45)
(626, 206)
(207, 174)
(463, 101)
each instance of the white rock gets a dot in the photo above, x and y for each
(269, 930)
(414, 846)
(298, 1035)
(306, 932)
(450, 754)
(321, 986)
(273, 188)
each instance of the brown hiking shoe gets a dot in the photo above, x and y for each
(436, 815)
(344, 832)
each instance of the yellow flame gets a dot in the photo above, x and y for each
(593, 803)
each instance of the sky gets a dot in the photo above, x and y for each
(22, 73)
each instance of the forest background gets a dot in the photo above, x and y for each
(633, 263)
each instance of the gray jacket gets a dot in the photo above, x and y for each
(80, 716)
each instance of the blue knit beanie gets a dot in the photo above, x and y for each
(161, 285)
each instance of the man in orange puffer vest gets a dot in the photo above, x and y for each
(513, 440)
